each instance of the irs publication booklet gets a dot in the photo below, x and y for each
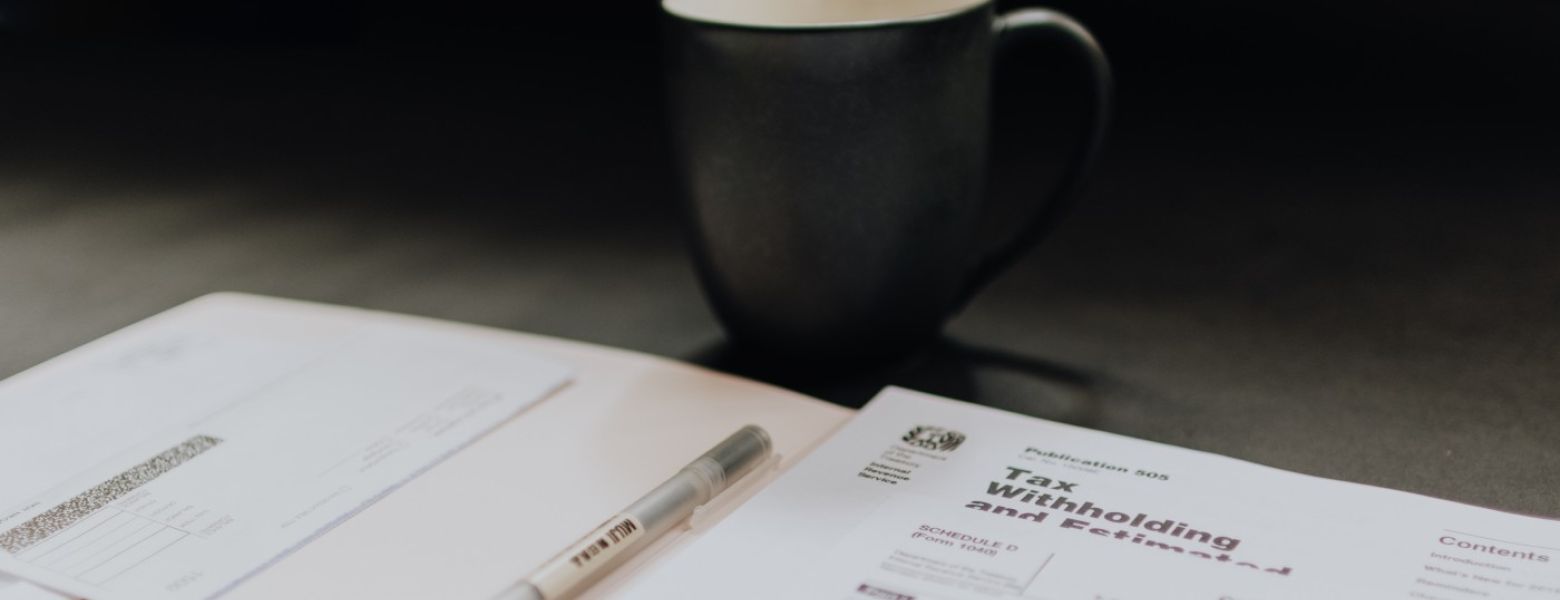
(919, 497)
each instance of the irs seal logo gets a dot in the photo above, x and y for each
(933, 438)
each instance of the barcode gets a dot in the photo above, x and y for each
(40, 527)
(613, 536)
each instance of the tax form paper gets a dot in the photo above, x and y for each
(177, 456)
(922, 498)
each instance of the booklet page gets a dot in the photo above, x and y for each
(182, 454)
(920, 497)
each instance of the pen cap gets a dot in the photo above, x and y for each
(733, 458)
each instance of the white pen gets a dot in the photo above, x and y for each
(635, 527)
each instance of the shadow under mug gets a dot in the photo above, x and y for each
(833, 171)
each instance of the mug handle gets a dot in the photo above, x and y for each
(1043, 24)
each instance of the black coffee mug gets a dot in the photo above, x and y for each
(833, 157)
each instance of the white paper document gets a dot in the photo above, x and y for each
(12, 588)
(922, 498)
(184, 453)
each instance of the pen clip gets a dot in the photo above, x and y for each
(723, 503)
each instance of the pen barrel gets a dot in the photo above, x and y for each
(672, 501)
(634, 528)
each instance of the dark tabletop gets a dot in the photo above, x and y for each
(1322, 239)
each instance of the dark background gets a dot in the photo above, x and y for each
(1322, 237)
